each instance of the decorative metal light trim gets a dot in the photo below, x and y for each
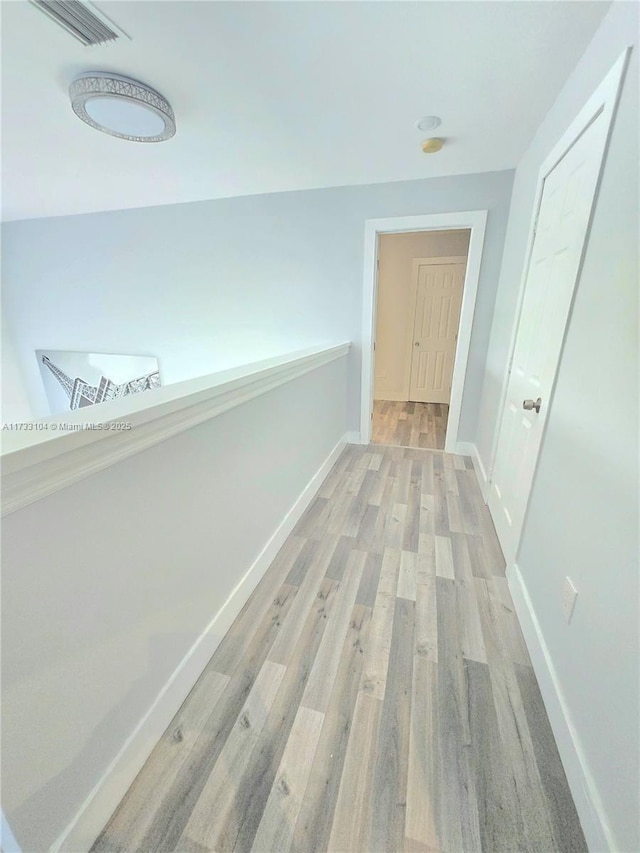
(96, 85)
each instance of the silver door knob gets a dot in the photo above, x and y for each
(529, 404)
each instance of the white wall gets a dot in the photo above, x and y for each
(14, 399)
(394, 330)
(583, 514)
(108, 583)
(210, 285)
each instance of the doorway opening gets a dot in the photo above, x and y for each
(419, 299)
(420, 286)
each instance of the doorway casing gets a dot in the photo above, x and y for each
(474, 221)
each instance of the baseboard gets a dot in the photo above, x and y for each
(468, 448)
(464, 448)
(583, 789)
(353, 437)
(93, 815)
(481, 473)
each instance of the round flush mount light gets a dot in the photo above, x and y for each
(122, 107)
(433, 145)
(429, 123)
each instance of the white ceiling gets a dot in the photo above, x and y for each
(273, 96)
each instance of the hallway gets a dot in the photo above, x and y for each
(375, 693)
(410, 424)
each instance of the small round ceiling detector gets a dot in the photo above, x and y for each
(433, 145)
(428, 123)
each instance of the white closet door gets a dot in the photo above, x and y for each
(435, 331)
(558, 245)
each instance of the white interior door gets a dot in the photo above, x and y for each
(563, 219)
(435, 330)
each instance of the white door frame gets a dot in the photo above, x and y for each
(473, 220)
(604, 100)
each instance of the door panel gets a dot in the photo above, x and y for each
(435, 331)
(565, 209)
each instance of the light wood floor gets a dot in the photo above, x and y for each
(374, 695)
(410, 424)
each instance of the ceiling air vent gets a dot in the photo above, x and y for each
(82, 20)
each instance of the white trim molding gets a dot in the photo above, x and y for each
(53, 453)
(468, 448)
(464, 448)
(93, 815)
(596, 829)
(475, 220)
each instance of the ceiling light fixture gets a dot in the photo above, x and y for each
(429, 123)
(122, 107)
(433, 145)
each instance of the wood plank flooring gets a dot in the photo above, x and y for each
(374, 695)
(410, 424)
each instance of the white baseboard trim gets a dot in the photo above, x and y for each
(468, 448)
(597, 831)
(464, 448)
(353, 437)
(481, 473)
(103, 800)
